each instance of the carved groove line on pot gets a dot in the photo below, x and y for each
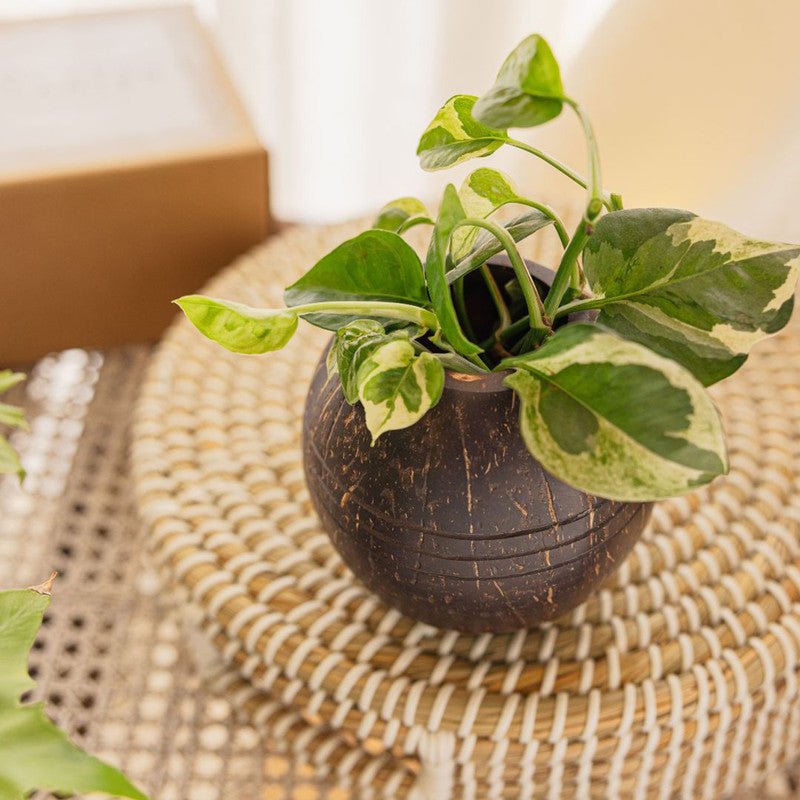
(471, 538)
(475, 559)
(334, 484)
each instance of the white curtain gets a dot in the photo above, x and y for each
(341, 91)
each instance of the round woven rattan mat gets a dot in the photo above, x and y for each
(679, 678)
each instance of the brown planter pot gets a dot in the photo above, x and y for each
(452, 520)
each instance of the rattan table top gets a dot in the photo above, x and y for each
(679, 677)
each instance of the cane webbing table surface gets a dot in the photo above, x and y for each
(677, 679)
(115, 663)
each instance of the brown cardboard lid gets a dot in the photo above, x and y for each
(90, 91)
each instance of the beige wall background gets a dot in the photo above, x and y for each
(696, 104)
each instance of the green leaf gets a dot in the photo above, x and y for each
(397, 387)
(13, 416)
(614, 419)
(237, 327)
(527, 90)
(359, 337)
(487, 245)
(9, 460)
(457, 363)
(375, 265)
(34, 753)
(9, 379)
(690, 289)
(355, 342)
(454, 136)
(436, 266)
(401, 214)
(483, 192)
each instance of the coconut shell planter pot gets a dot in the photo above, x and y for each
(484, 438)
(452, 520)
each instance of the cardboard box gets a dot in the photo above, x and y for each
(129, 173)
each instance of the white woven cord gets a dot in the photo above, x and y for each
(678, 678)
(436, 751)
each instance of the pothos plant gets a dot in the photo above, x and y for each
(614, 404)
(34, 753)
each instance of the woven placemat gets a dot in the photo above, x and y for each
(678, 678)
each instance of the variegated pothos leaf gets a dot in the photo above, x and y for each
(437, 264)
(399, 215)
(614, 419)
(350, 348)
(527, 90)
(237, 327)
(482, 193)
(454, 136)
(690, 289)
(397, 386)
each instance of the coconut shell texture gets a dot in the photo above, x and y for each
(452, 520)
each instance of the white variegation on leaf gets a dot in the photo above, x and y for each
(350, 347)
(527, 91)
(614, 419)
(689, 288)
(454, 136)
(347, 338)
(397, 386)
(238, 327)
(399, 215)
(482, 193)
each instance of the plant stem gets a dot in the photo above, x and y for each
(461, 308)
(497, 297)
(412, 222)
(562, 168)
(581, 305)
(372, 308)
(531, 295)
(548, 212)
(504, 335)
(565, 269)
(597, 200)
(553, 162)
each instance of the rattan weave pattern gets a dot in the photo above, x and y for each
(678, 678)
